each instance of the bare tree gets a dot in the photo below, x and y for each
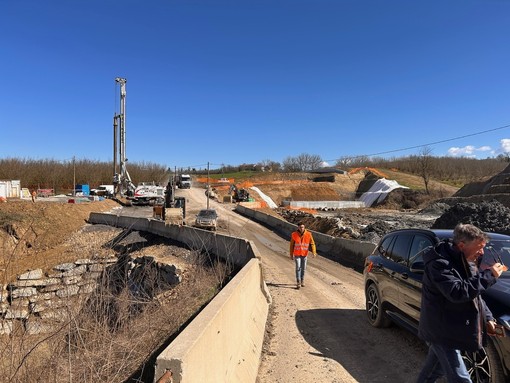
(290, 164)
(269, 165)
(424, 161)
(302, 163)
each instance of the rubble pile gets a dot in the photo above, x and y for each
(363, 226)
(490, 216)
(371, 226)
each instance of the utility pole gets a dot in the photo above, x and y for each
(74, 177)
(208, 187)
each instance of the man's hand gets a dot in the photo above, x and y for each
(493, 329)
(497, 269)
(314, 255)
(291, 257)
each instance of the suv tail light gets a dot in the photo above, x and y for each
(369, 265)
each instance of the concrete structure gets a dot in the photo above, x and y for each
(324, 204)
(224, 342)
(10, 189)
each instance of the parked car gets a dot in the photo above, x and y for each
(393, 279)
(206, 219)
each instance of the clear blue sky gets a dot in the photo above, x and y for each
(231, 82)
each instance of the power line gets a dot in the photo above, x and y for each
(388, 151)
(422, 145)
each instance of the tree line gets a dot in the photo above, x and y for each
(61, 175)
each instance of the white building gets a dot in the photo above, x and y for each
(10, 189)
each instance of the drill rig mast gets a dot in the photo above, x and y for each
(121, 179)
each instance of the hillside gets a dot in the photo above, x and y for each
(32, 235)
(301, 186)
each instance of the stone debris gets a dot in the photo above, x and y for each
(35, 299)
(371, 225)
(490, 216)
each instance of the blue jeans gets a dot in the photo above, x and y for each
(443, 361)
(300, 268)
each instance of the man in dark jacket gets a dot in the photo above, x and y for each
(454, 316)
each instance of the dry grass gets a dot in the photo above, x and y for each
(109, 339)
(113, 333)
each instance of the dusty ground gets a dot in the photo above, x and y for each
(32, 235)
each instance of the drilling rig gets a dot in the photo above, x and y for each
(123, 185)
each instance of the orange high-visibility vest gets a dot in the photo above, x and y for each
(301, 243)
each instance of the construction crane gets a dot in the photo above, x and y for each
(121, 179)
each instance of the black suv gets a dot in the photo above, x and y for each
(393, 275)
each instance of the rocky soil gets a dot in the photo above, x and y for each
(371, 224)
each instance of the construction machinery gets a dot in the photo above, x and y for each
(184, 181)
(173, 209)
(148, 193)
(238, 195)
(172, 201)
(122, 183)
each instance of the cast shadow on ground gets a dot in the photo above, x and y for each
(282, 285)
(345, 336)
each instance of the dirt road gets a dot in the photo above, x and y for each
(318, 333)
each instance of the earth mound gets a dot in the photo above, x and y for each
(490, 216)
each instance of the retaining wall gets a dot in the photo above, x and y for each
(236, 250)
(40, 303)
(325, 204)
(224, 342)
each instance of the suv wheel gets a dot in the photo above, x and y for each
(376, 315)
(484, 366)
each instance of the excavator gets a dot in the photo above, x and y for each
(173, 210)
(238, 195)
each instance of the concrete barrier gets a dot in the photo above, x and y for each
(325, 204)
(224, 342)
(232, 249)
(349, 252)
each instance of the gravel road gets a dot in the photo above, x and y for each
(318, 333)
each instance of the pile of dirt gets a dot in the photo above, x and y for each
(405, 199)
(360, 224)
(372, 224)
(31, 233)
(490, 216)
(498, 184)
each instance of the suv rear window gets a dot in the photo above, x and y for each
(420, 243)
(399, 253)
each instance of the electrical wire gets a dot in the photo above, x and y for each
(423, 145)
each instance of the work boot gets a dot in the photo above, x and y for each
(298, 285)
(302, 283)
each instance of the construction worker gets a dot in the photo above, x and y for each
(301, 241)
(34, 195)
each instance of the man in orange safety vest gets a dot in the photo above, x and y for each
(301, 241)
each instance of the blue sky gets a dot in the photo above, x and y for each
(232, 82)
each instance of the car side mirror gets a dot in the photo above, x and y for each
(382, 251)
(417, 267)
